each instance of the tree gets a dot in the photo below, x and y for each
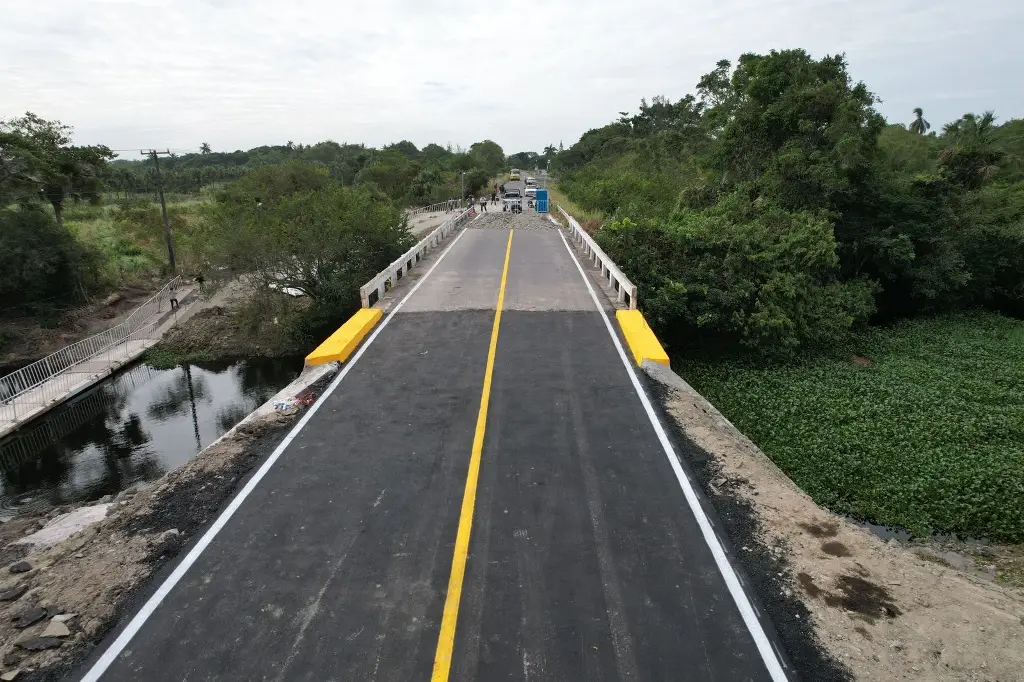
(524, 160)
(42, 266)
(919, 126)
(47, 157)
(793, 126)
(393, 173)
(321, 239)
(972, 157)
(488, 155)
(766, 280)
(405, 148)
(204, 148)
(434, 152)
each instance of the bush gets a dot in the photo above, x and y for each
(321, 239)
(992, 243)
(42, 267)
(767, 279)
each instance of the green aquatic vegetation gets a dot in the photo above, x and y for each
(920, 425)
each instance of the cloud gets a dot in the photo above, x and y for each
(238, 73)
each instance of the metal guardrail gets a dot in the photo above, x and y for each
(388, 277)
(51, 377)
(625, 290)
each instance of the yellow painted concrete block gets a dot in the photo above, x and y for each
(642, 342)
(341, 344)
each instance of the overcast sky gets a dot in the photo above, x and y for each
(240, 73)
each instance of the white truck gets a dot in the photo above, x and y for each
(512, 201)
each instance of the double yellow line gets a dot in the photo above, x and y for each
(446, 638)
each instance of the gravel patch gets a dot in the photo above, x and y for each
(500, 220)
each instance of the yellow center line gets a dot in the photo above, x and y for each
(446, 638)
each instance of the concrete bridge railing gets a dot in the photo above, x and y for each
(377, 287)
(624, 289)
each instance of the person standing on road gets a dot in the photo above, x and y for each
(483, 203)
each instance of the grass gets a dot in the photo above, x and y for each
(131, 252)
(163, 357)
(590, 221)
(929, 436)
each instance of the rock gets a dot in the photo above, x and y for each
(10, 675)
(21, 567)
(29, 616)
(64, 526)
(56, 629)
(112, 299)
(64, 617)
(896, 644)
(13, 658)
(40, 643)
(105, 499)
(53, 611)
(167, 535)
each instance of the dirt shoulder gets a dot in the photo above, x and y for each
(878, 610)
(58, 602)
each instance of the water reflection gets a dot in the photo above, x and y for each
(133, 427)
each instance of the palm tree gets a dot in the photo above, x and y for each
(919, 126)
(972, 158)
(204, 148)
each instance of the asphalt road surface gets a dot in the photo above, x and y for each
(483, 496)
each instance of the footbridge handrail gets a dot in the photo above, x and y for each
(446, 205)
(39, 373)
(624, 289)
(386, 278)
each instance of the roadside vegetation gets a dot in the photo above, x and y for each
(777, 225)
(318, 220)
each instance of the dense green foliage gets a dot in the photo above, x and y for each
(775, 208)
(403, 172)
(290, 227)
(111, 232)
(930, 436)
(42, 266)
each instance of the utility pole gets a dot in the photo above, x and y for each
(155, 155)
(463, 187)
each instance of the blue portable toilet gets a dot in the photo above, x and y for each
(542, 200)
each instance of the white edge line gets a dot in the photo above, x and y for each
(746, 608)
(136, 623)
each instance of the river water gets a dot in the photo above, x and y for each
(134, 427)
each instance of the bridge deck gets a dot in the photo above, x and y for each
(585, 561)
